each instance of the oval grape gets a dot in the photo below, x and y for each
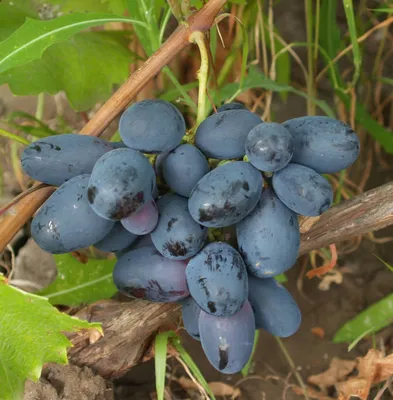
(116, 240)
(217, 279)
(183, 168)
(269, 147)
(269, 237)
(145, 274)
(231, 106)
(228, 342)
(177, 236)
(225, 195)
(152, 126)
(274, 308)
(303, 190)
(190, 313)
(223, 135)
(66, 222)
(56, 159)
(143, 221)
(122, 181)
(324, 144)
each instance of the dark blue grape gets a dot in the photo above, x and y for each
(226, 195)
(231, 106)
(269, 237)
(274, 308)
(116, 240)
(121, 183)
(217, 279)
(303, 190)
(324, 144)
(190, 313)
(183, 168)
(145, 274)
(177, 236)
(152, 126)
(228, 342)
(56, 159)
(223, 135)
(269, 147)
(141, 241)
(159, 164)
(143, 221)
(66, 222)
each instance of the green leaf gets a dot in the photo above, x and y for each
(387, 265)
(160, 350)
(372, 319)
(30, 335)
(39, 129)
(86, 67)
(78, 283)
(357, 58)
(175, 341)
(377, 131)
(30, 41)
(256, 79)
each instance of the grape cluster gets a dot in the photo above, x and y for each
(207, 225)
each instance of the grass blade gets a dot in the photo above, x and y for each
(14, 137)
(388, 266)
(246, 368)
(160, 350)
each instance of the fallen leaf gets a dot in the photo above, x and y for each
(218, 388)
(312, 394)
(354, 387)
(318, 331)
(327, 267)
(337, 372)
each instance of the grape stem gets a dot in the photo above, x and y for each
(198, 38)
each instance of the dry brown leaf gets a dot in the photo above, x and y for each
(385, 369)
(312, 394)
(318, 331)
(337, 372)
(218, 388)
(354, 387)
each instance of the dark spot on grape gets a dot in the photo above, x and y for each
(170, 224)
(126, 206)
(176, 249)
(223, 358)
(246, 186)
(138, 293)
(91, 194)
(37, 148)
(291, 221)
(202, 282)
(212, 306)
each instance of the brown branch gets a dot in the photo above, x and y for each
(130, 327)
(12, 221)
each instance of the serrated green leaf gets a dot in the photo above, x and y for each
(256, 79)
(372, 319)
(30, 335)
(78, 283)
(29, 42)
(86, 67)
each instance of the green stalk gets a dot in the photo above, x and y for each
(14, 137)
(203, 75)
(40, 106)
(293, 367)
(310, 58)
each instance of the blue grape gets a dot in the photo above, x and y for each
(269, 147)
(66, 222)
(228, 342)
(223, 135)
(141, 241)
(274, 308)
(231, 106)
(303, 190)
(177, 236)
(159, 164)
(269, 237)
(143, 221)
(217, 279)
(56, 159)
(190, 313)
(183, 168)
(145, 274)
(121, 183)
(324, 144)
(116, 240)
(226, 195)
(152, 126)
